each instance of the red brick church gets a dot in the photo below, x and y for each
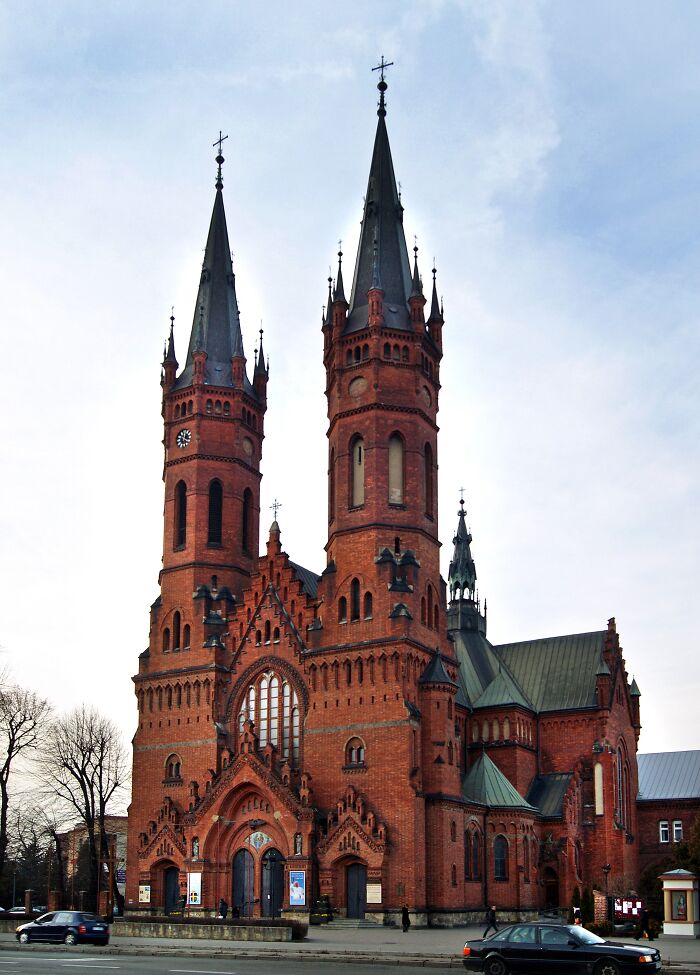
(353, 733)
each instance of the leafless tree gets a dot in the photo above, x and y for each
(83, 765)
(23, 716)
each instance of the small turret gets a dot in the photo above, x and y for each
(170, 362)
(261, 373)
(340, 305)
(436, 320)
(416, 301)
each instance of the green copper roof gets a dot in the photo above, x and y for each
(556, 673)
(547, 793)
(486, 784)
(502, 690)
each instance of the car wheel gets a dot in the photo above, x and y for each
(23, 938)
(495, 966)
(607, 967)
(70, 938)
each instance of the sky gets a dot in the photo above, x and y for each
(549, 159)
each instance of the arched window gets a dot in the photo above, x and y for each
(422, 610)
(453, 831)
(267, 631)
(331, 486)
(365, 352)
(166, 640)
(368, 606)
(496, 730)
(246, 519)
(173, 767)
(430, 605)
(176, 631)
(180, 514)
(342, 610)
(276, 635)
(357, 354)
(348, 357)
(355, 752)
(450, 754)
(500, 858)
(387, 351)
(396, 469)
(355, 599)
(186, 637)
(428, 483)
(357, 477)
(347, 666)
(453, 875)
(404, 353)
(216, 507)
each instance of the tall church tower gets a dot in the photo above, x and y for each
(213, 432)
(382, 364)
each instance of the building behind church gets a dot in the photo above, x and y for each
(352, 732)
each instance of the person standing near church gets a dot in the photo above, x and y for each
(405, 919)
(491, 920)
(223, 909)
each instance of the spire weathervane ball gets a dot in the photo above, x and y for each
(220, 160)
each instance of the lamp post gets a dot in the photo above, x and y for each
(606, 870)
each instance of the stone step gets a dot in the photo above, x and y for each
(354, 922)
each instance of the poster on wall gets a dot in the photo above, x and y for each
(679, 905)
(297, 888)
(194, 889)
(144, 893)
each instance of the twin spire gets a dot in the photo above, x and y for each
(216, 325)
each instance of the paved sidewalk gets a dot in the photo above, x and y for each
(426, 947)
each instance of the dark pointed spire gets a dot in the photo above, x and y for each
(260, 361)
(435, 312)
(328, 320)
(382, 220)
(462, 574)
(339, 293)
(170, 354)
(216, 326)
(417, 289)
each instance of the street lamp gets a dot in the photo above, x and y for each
(606, 870)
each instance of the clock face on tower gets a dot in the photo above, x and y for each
(183, 438)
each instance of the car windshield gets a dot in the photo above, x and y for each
(587, 937)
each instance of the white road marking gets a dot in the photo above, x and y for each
(199, 971)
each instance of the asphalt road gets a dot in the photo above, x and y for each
(62, 961)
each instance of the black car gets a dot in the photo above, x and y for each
(537, 949)
(69, 927)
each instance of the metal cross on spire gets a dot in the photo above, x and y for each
(461, 495)
(381, 67)
(276, 505)
(219, 159)
(382, 86)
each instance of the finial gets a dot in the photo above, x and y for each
(172, 317)
(220, 160)
(276, 505)
(382, 86)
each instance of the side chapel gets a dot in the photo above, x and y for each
(355, 734)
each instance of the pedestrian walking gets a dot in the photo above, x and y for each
(491, 920)
(405, 919)
(223, 909)
(577, 915)
(644, 931)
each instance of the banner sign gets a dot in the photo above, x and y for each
(194, 889)
(297, 888)
(144, 893)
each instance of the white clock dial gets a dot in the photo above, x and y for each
(183, 438)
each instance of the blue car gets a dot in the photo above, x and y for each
(65, 927)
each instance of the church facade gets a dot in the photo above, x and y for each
(353, 733)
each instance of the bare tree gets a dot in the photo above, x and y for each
(23, 715)
(83, 764)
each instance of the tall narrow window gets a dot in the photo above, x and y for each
(264, 711)
(396, 472)
(216, 505)
(476, 855)
(176, 631)
(246, 518)
(368, 606)
(331, 486)
(274, 711)
(186, 637)
(428, 488)
(342, 610)
(180, 514)
(357, 484)
(355, 599)
(500, 858)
